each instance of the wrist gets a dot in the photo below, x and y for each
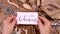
(45, 33)
(5, 32)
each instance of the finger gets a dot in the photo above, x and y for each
(46, 22)
(9, 19)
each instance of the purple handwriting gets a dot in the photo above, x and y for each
(27, 19)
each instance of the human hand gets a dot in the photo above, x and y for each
(44, 25)
(8, 25)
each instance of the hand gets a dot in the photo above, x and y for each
(44, 25)
(8, 25)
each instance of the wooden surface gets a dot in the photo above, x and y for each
(52, 8)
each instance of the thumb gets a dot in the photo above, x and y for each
(40, 23)
(13, 22)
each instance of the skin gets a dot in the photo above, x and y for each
(9, 23)
(46, 27)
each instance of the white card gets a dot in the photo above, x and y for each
(27, 18)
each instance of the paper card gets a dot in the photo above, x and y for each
(27, 18)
